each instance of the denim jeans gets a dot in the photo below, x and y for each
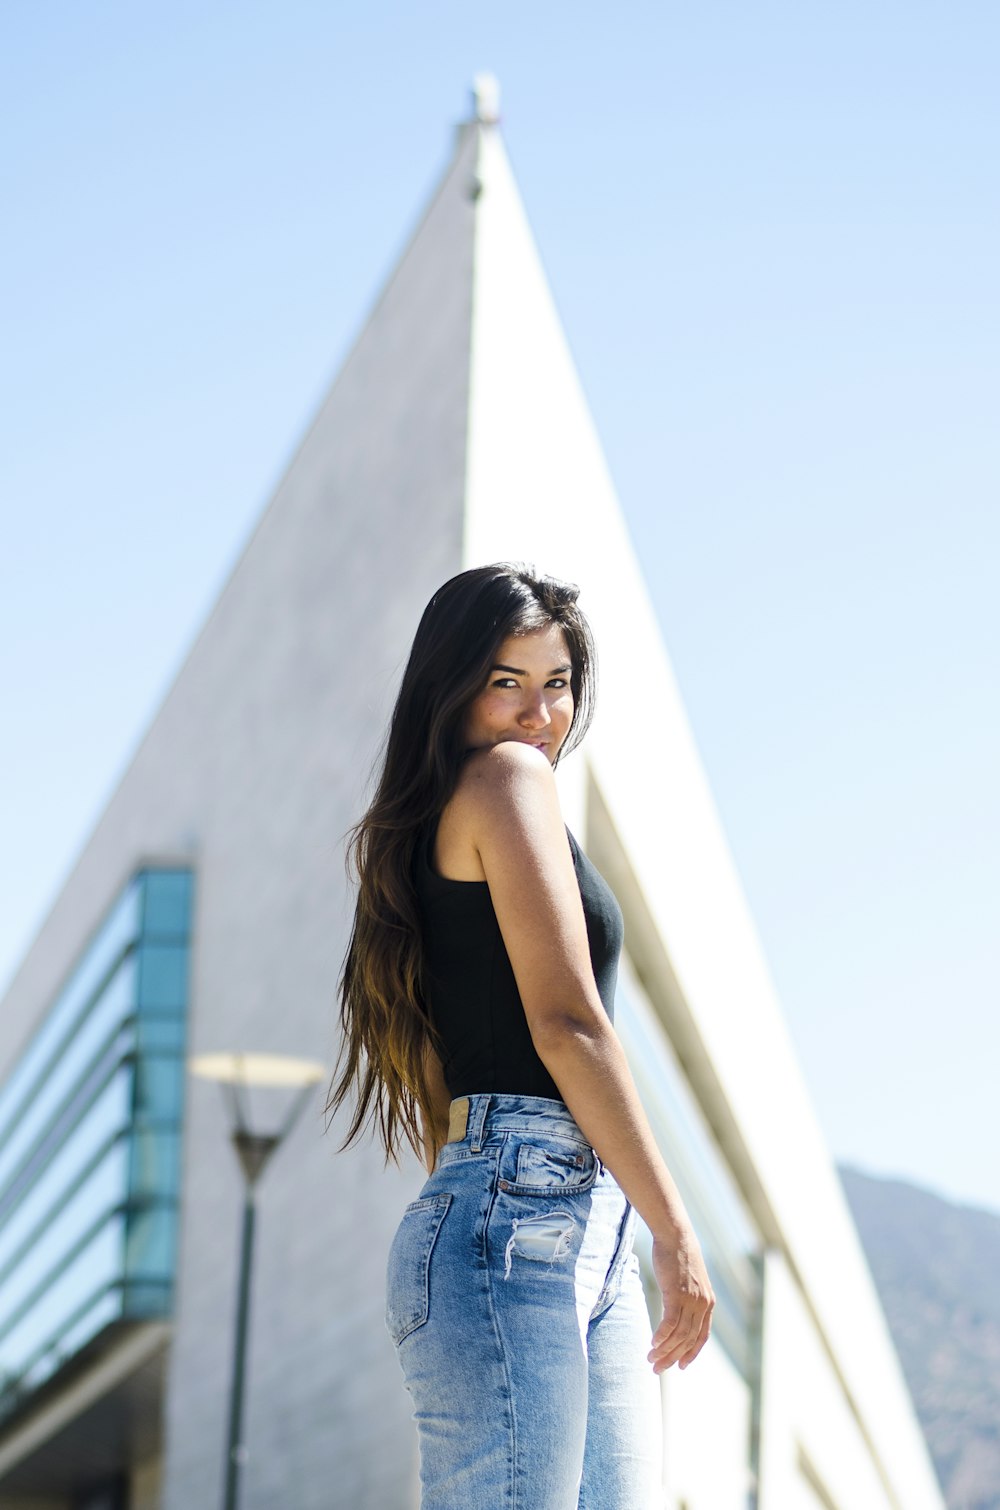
(518, 1317)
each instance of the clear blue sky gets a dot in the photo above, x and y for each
(773, 235)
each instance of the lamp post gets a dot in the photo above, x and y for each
(236, 1074)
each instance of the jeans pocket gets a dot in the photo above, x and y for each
(407, 1279)
(548, 1167)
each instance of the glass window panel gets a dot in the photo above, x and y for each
(147, 1300)
(101, 1192)
(162, 976)
(118, 931)
(701, 1164)
(95, 1266)
(95, 1317)
(107, 1118)
(157, 1033)
(155, 1169)
(159, 1085)
(56, 1093)
(63, 1159)
(167, 903)
(725, 1228)
(149, 1247)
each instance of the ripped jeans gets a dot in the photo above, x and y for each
(519, 1320)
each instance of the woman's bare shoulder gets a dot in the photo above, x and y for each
(504, 790)
(493, 786)
(499, 771)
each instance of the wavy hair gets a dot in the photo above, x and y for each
(384, 1012)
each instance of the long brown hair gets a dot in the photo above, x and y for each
(384, 1012)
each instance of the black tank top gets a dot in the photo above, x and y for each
(472, 995)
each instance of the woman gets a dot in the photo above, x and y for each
(477, 996)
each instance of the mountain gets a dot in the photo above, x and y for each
(937, 1269)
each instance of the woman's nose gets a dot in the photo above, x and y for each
(535, 711)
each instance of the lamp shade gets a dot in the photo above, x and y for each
(257, 1069)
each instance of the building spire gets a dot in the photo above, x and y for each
(485, 99)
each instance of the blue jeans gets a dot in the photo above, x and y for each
(518, 1316)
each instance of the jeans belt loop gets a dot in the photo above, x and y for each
(478, 1121)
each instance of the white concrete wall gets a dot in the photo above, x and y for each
(804, 1411)
(706, 1443)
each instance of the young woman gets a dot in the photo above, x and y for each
(477, 997)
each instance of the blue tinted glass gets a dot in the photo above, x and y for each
(90, 1140)
(93, 1317)
(101, 1192)
(155, 1162)
(51, 1097)
(167, 903)
(149, 1248)
(106, 1119)
(160, 1032)
(71, 1083)
(70, 1059)
(162, 976)
(159, 1084)
(116, 933)
(147, 1299)
(94, 1268)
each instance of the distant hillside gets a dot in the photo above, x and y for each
(937, 1268)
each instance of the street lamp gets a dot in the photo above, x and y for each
(236, 1074)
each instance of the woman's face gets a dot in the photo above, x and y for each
(528, 695)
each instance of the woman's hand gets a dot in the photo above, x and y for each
(688, 1301)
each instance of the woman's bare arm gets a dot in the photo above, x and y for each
(512, 814)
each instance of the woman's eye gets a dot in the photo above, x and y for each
(504, 681)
